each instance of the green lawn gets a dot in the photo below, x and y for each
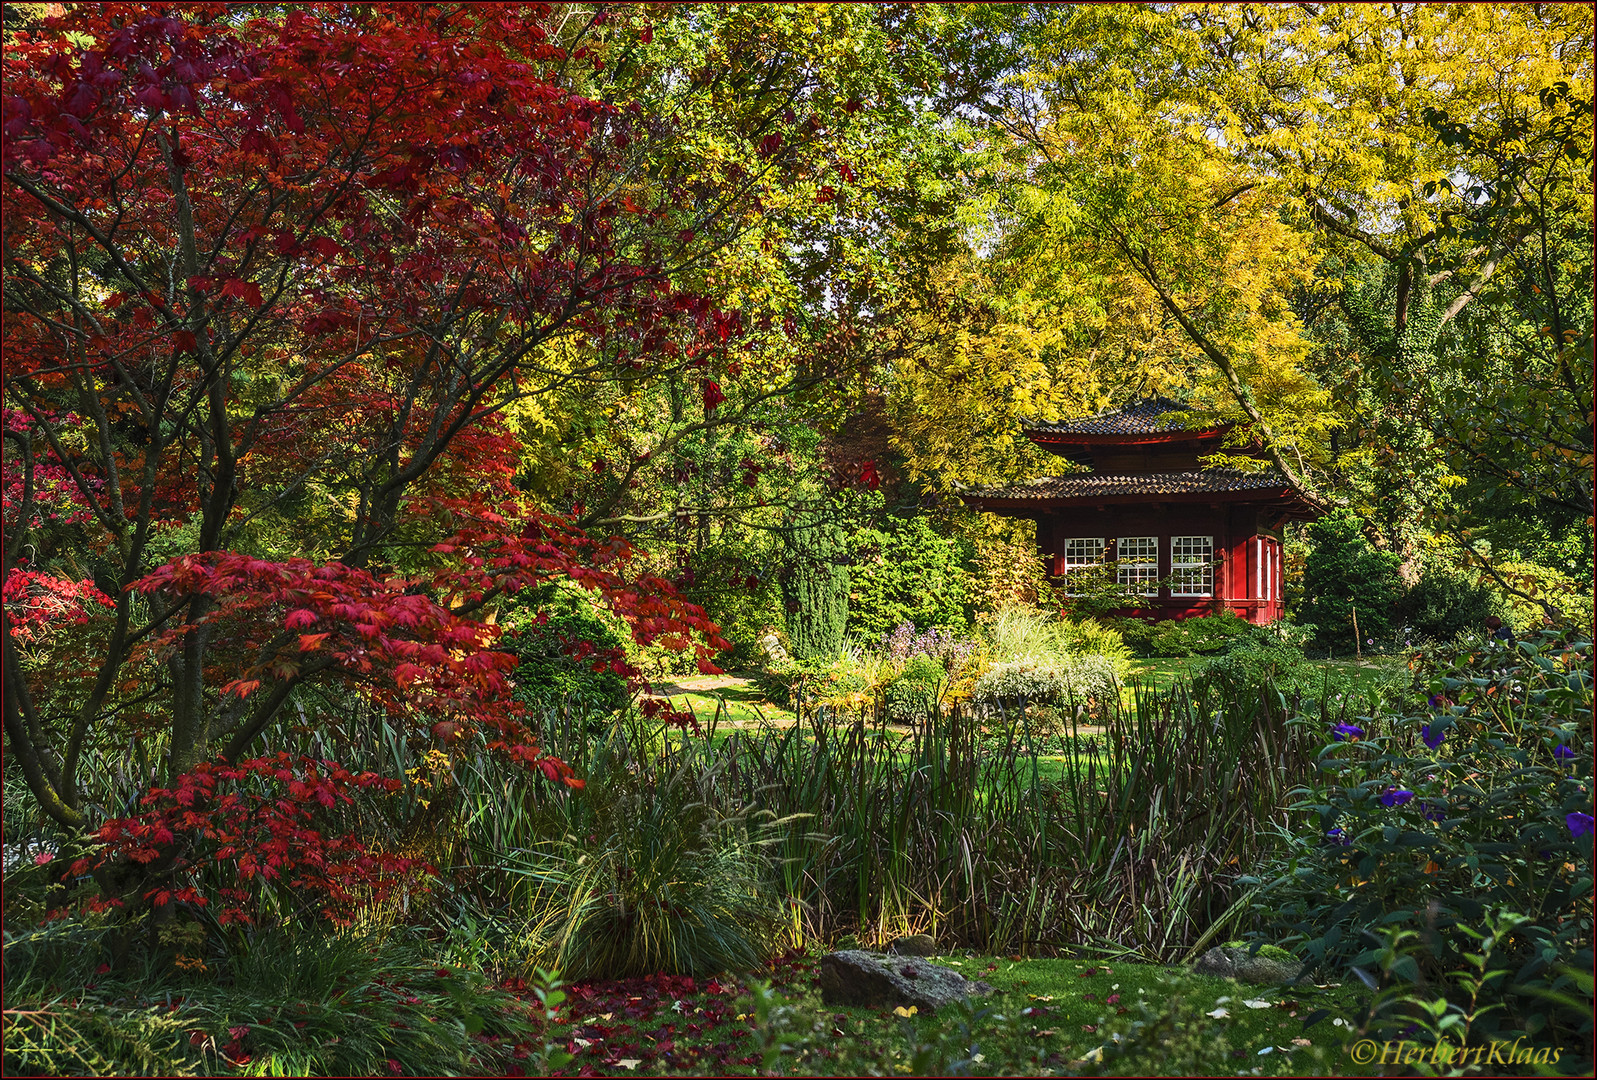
(1346, 675)
(736, 704)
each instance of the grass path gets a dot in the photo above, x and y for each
(737, 698)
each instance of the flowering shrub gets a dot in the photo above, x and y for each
(1082, 679)
(246, 835)
(1477, 797)
(939, 643)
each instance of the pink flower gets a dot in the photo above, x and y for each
(43, 857)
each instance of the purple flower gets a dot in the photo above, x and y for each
(1346, 731)
(1431, 813)
(1432, 738)
(1337, 836)
(1579, 824)
(1561, 752)
(1396, 797)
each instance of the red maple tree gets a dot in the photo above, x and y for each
(263, 262)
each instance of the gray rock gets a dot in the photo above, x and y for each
(872, 980)
(1231, 962)
(913, 945)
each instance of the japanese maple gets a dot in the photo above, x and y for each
(272, 275)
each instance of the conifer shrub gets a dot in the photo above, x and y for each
(907, 573)
(815, 589)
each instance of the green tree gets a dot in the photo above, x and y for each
(1383, 167)
(906, 573)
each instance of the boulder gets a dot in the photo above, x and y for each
(913, 945)
(875, 981)
(1233, 962)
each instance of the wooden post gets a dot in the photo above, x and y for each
(1358, 648)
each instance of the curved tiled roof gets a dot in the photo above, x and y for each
(1151, 416)
(1086, 485)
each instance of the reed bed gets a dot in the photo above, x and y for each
(951, 829)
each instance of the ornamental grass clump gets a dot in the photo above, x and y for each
(652, 868)
(1475, 798)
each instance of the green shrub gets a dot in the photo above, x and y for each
(1441, 605)
(1137, 634)
(1460, 1014)
(815, 588)
(1343, 573)
(906, 573)
(1247, 668)
(555, 661)
(1201, 636)
(1091, 637)
(1081, 680)
(914, 693)
(1475, 797)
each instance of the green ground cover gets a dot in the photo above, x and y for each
(1045, 1016)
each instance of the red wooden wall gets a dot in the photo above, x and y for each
(1247, 579)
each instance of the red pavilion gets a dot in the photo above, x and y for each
(1192, 540)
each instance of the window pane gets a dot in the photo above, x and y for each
(1192, 566)
(1138, 557)
(1081, 552)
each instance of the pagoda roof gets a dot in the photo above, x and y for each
(1189, 485)
(1156, 415)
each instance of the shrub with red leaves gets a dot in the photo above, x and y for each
(243, 834)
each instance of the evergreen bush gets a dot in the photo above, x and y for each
(1203, 636)
(1441, 605)
(815, 588)
(1253, 665)
(555, 662)
(1342, 575)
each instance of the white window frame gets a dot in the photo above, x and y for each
(1080, 553)
(1192, 566)
(1137, 558)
